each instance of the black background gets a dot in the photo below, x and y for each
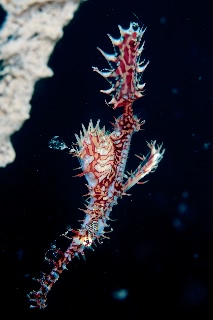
(161, 250)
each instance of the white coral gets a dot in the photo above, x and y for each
(27, 39)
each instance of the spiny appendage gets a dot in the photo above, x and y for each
(148, 164)
(92, 130)
(59, 261)
(126, 68)
(125, 124)
(95, 152)
(80, 240)
(96, 220)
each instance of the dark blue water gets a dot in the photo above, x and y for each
(160, 254)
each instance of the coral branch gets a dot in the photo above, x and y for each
(27, 39)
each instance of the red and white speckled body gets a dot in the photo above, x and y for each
(103, 155)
